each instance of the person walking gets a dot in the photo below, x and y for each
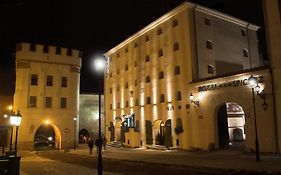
(104, 143)
(90, 145)
(97, 145)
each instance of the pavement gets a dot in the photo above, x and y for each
(221, 159)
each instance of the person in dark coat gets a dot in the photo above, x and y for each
(91, 145)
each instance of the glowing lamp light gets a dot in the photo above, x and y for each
(16, 119)
(5, 116)
(191, 96)
(252, 81)
(100, 63)
(162, 124)
(75, 118)
(10, 108)
(47, 122)
(257, 88)
(50, 138)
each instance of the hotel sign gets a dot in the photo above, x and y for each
(226, 84)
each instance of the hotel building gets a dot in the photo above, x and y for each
(182, 82)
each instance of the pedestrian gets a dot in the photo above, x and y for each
(97, 145)
(90, 145)
(104, 143)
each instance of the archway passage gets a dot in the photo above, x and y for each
(158, 132)
(45, 138)
(83, 136)
(231, 122)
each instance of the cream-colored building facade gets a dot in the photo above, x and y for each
(47, 92)
(189, 50)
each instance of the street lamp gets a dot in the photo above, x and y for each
(99, 66)
(253, 83)
(74, 132)
(15, 121)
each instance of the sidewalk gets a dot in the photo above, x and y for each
(221, 159)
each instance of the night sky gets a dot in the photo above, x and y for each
(90, 26)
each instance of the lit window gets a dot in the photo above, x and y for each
(175, 23)
(177, 70)
(209, 44)
(245, 53)
(178, 96)
(147, 79)
(48, 103)
(162, 98)
(176, 46)
(63, 102)
(159, 31)
(161, 75)
(34, 79)
(63, 81)
(49, 80)
(32, 101)
(160, 53)
(58, 50)
(211, 69)
(146, 38)
(148, 100)
(32, 47)
(45, 48)
(147, 58)
(207, 21)
(69, 52)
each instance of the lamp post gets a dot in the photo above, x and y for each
(12, 132)
(100, 65)
(74, 132)
(16, 120)
(253, 83)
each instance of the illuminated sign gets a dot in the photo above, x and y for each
(232, 83)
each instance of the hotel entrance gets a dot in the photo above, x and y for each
(231, 124)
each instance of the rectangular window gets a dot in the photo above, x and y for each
(176, 46)
(69, 52)
(159, 31)
(32, 101)
(136, 45)
(49, 80)
(147, 58)
(63, 81)
(243, 32)
(175, 23)
(211, 69)
(209, 44)
(207, 21)
(48, 102)
(58, 50)
(177, 70)
(45, 48)
(146, 38)
(63, 102)
(160, 53)
(34, 79)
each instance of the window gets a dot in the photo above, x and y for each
(209, 44)
(110, 107)
(159, 31)
(136, 45)
(207, 21)
(175, 23)
(211, 69)
(245, 53)
(32, 47)
(161, 75)
(160, 53)
(136, 102)
(34, 79)
(176, 46)
(147, 58)
(136, 82)
(48, 102)
(126, 50)
(58, 50)
(63, 81)
(69, 52)
(45, 48)
(177, 70)
(126, 85)
(147, 79)
(49, 80)
(127, 103)
(146, 38)
(178, 96)
(32, 101)
(118, 71)
(148, 100)
(110, 90)
(162, 98)
(118, 105)
(118, 88)
(63, 102)
(118, 55)
(243, 32)
(126, 67)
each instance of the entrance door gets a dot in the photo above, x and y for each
(148, 132)
(223, 127)
(45, 138)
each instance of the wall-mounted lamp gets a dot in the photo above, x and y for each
(195, 102)
(170, 106)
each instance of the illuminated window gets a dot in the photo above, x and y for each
(178, 96)
(127, 103)
(48, 102)
(32, 47)
(136, 82)
(211, 69)
(126, 67)
(136, 102)
(63, 81)
(159, 31)
(162, 98)
(175, 23)
(148, 100)
(49, 80)
(207, 21)
(69, 52)
(176, 46)
(245, 53)
(32, 101)
(136, 45)
(177, 70)
(161, 75)
(58, 50)
(147, 79)
(126, 85)
(34, 79)
(118, 88)
(63, 102)
(209, 44)
(126, 50)
(146, 38)
(147, 58)
(45, 48)
(160, 52)
(243, 32)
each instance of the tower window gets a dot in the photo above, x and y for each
(175, 23)
(127, 103)
(147, 79)
(118, 88)
(243, 32)
(159, 31)
(136, 82)
(118, 55)
(207, 21)
(126, 50)
(162, 98)
(136, 45)
(110, 107)
(136, 102)
(147, 58)
(161, 75)
(148, 100)
(176, 46)
(211, 69)
(178, 96)
(209, 44)
(160, 53)
(110, 90)
(118, 71)
(245, 53)
(177, 70)
(146, 38)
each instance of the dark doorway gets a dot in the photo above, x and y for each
(44, 138)
(148, 132)
(168, 141)
(223, 127)
(83, 136)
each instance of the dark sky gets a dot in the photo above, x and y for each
(89, 25)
